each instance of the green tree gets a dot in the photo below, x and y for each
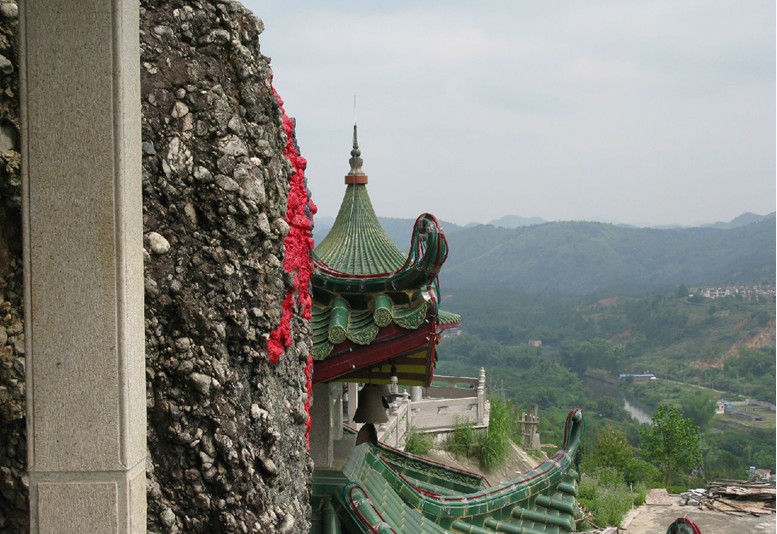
(671, 442)
(681, 292)
(611, 449)
(699, 408)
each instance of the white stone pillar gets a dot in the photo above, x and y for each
(83, 265)
(321, 438)
(353, 401)
(337, 410)
(482, 397)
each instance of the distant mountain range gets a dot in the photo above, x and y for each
(516, 221)
(591, 257)
(742, 220)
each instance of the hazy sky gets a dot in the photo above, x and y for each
(639, 112)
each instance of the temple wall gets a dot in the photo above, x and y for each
(227, 249)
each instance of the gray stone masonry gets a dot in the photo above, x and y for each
(226, 427)
(14, 497)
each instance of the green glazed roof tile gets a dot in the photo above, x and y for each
(383, 311)
(357, 244)
(445, 318)
(529, 504)
(411, 317)
(337, 322)
(363, 282)
(339, 312)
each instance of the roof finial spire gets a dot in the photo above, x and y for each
(356, 160)
(356, 174)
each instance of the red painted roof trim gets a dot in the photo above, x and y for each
(393, 343)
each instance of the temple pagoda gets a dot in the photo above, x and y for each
(376, 309)
(376, 320)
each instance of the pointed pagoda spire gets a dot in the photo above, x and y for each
(356, 175)
(357, 243)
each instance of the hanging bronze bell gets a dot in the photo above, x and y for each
(372, 404)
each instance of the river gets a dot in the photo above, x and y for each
(599, 389)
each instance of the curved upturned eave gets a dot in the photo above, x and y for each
(357, 244)
(540, 501)
(428, 251)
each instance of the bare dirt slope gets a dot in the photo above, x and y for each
(517, 463)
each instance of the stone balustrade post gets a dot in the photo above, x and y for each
(482, 397)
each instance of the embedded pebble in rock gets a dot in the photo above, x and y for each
(167, 517)
(226, 183)
(226, 453)
(287, 525)
(179, 110)
(158, 244)
(263, 224)
(232, 145)
(148, 148)
(201, 382)
(9, 10)
(6, 67)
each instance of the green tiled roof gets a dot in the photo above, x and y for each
(336, 322)
(447, 319)
(357, 244)
(362, 282)
(378, 497)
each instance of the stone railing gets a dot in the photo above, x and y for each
(452, 399)
(393, 432)
(438, 408)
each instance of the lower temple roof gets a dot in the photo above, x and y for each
(384, 490)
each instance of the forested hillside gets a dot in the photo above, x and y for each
(725, 344)
(591, 257)
(584, 257)
(701, 349)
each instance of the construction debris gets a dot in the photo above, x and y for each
(734, 497)
(658, 497)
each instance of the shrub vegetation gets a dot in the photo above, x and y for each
(418, 443)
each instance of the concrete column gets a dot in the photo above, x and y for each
(353, 401)
(482, 397)
(337, 410)
(321, 439)
(86, 405)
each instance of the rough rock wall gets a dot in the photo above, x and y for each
(227, 269)
(224, 275)
(14, 514)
